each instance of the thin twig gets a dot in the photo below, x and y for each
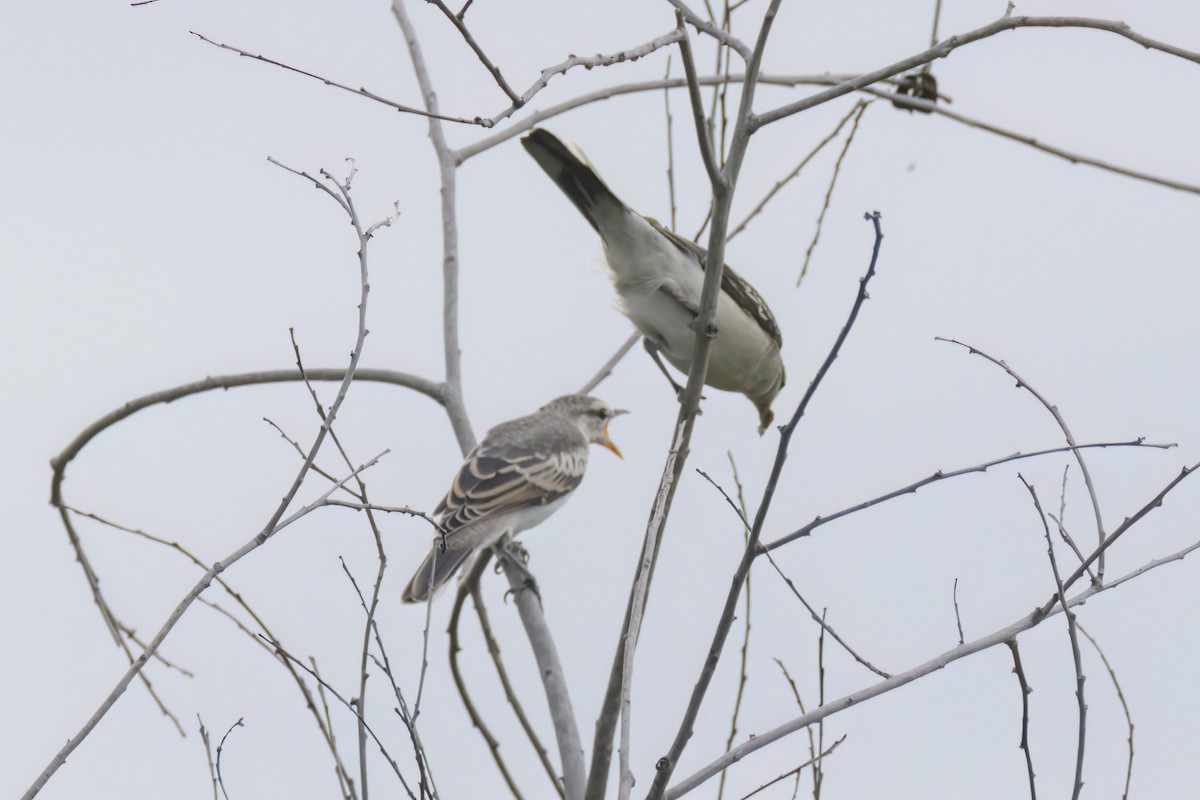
(670, 143)
(754, 212)
(406, 109)
(722, 36)
(957, 616)
(1124, 705)
(472, 577)
(1074, 636)
(837, 167)
(667, 764)
(611, 364)
(855, 699)
(812, 742)
(212, 770)
(221, 747)
(820, 620)
(703, 134)
(457, 21)
(941, 475)
(1118, 532)
(276, 523)
(796, 770)
(351, 706)
(689, 403)
(509, 693)
(1025, 691)
(1062, 424)
(741, 686)
(951, 44)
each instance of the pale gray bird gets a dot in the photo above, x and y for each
(658, 276)
(521, 473)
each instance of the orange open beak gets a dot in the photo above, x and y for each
(604, 441)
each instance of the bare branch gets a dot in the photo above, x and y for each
(946, 47)
(611, 364)
(700, 24)
(790, 773)
(1124, 705)
(1074, 158)
(588, 62)
(351, 707)
(1062, 424)
(939, 662)
(276, 523)
(566, 731)
(837, 168)
(509, 693)
(212, 770)
(941, 476)
(1070, 615)
(1116, 534)
(754, 212)
(220, 747)
(1025, 691)
(703, 135)
(457, 21)
(820, 620)
(667, 764)
(330, 82)
(464, 588)
(957, 616)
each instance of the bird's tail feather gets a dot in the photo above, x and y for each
(568, 167)
(437, 568)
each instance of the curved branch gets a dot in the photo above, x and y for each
(273, 525)
(469, 579)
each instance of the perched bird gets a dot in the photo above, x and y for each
(521, 473)
(658, 276)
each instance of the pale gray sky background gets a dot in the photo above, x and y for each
(147, 242)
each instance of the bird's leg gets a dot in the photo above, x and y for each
(652, 347)
(514, 556)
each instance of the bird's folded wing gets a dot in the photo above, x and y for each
(733, 284)
(491, 483)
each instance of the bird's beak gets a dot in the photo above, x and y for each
(604, 441)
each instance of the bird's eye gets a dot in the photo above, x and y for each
(599, 413)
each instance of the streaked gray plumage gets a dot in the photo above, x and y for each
(517, 476)
(658, 276)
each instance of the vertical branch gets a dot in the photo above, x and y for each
(818, 772)
(1025, 691)
(493, 647)
(1124, 705)
(447, 167)
(561, 713)
(741, 687)
(723, 181)
(1070, 615)
(837, 167)
(670, 143)
(464, 588)
(666, 765)
(276, 523)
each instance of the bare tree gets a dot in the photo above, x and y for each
(728, 108)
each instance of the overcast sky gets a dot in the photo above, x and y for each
(147, 242)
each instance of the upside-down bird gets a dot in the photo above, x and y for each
(658, 276)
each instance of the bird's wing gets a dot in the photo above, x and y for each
(496, 479)
(733, 284)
